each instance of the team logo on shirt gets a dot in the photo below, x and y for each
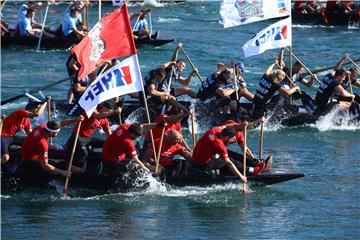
(46, 154)
(212, 137)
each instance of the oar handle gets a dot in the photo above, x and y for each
(33, 91)
(193, 128)
(261, 138)
(308, 70)
(159, 151)
(244, 160)
(48, 99)
(71, 159)
(291, 81)
(192, 65)
(353, 62)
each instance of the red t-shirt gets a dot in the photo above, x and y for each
(167, 152)
(157, 131)
(35, 145)
(209, 145)
(119, 146)
(89, 126)
(15, 122)
(239, 138)
(330, 4)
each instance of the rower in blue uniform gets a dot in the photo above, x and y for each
(69, 28)
(329, 86)
(268, 86)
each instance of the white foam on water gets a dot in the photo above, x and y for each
(152, 3)
(5, 196)
(168, 20)
(135, 116)
(337, 119)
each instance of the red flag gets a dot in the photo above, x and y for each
(110, 38)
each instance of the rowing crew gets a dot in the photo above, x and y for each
(119, 151)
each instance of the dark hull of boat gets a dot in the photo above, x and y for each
(106, 180)
(207, 114)
(61, 43)
(332, 18)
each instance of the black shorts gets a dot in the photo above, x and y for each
(258, 112)
(6, 141)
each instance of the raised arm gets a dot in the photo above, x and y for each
(271, 67)
(341, 61)
(281, 59)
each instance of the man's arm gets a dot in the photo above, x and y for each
(38, 112)
(101, 115)
(71, 120)
(224, 92)
(51, 169)
(234, 169)
(288, 92)
(341, 61)
(281, 59)
(186, 81)
(142, 166)
(271, 66)
(343, 92)
(176, 52)
(155, 92)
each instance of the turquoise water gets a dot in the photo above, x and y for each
(323, 205)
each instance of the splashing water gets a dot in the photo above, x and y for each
(168, 20)
(152, 3)
(136, 116)
(337, 119)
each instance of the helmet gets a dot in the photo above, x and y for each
(240, 64)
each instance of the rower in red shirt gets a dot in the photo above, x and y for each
(16, 122)
(34, 150)
(239, 139)
(210, 152)
(88, 127)
(119, 148)
(173, 122)
(170, 147)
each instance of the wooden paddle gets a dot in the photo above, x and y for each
(353, 62)
(159, 151)
(192, 65)
(65, 193)
(327, 68)
(34, 90)
(43, 26)
(261, 138)
(48, 99)
(308, 70)
(244, 160)
(193, 127)
(290, 79)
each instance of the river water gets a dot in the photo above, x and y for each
(323, 205)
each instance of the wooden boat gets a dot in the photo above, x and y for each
(323, 17)
(48, 43)
(99, 178)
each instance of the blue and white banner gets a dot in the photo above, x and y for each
(277, 35)
(122, 79)
(239, 12)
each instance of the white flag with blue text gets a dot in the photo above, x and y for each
(277, 35)
(239, 12)
(122, 79)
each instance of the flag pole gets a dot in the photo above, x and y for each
(99, 10)
(147, 109)
(290, 69)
